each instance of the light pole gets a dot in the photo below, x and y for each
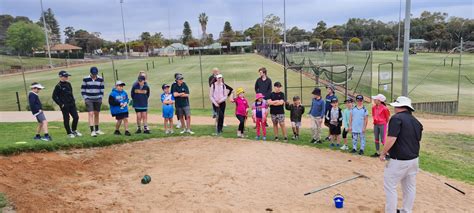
(284, 49)
(263, 27)
(399, 23)
(406, 47)
(46, 35)
(123, 27)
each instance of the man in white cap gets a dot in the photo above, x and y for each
(403, 148)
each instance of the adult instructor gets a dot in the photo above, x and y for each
(403, 148)
(263, 85)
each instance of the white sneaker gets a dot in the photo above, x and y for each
(344, 147)
(71, 135)
(93, 134)
(178, 125)
(190, 132)
(171, 131)
(77, 133)
(98, 132)
(182, 132)
(225, 125)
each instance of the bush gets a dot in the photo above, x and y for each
(82, 107)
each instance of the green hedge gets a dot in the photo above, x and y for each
(79, 55)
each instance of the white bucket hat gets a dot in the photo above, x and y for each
(379, 97)
(402, 101)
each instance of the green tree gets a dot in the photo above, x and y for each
(320, 28)
(23, 37)
(315, 42)
(187, 33)
(51, 25)
(145, 37)
(69, 32)
(227, 35)
(296, 34)
(156, 40)
(203, 21)
(273, 29)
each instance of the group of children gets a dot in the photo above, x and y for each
(352, 119)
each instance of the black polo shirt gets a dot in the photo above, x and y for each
(275, 110)
(408, 130)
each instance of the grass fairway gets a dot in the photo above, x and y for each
(241, 71)
(7, 61)
(450, 155)
(238, 71)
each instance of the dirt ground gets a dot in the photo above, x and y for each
(208, 175)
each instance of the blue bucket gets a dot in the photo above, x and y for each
(339, 201)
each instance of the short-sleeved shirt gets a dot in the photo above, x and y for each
(345, 117)
(277, 109)
(180, 101)
(358, 119)
(408, 131)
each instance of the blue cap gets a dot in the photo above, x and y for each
(94, 71)
(165, 86)
(63, 73)
(141, 78)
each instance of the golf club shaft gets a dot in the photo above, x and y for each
(334, 184)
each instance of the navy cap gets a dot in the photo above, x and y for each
(63, 73)
(316, 91)
(141, 78)
(359, 97)
(349, 100)
(334, 100)
(277, 84)
(94, 71)
(165, 86)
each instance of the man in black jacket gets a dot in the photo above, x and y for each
(64, 97)
(263, 85)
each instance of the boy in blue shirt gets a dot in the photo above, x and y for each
(358, 124)
(36, 109)
(118, 101)
(168, 100)
(316, 112)
(140, 94)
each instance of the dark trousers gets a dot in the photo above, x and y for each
(220, 116)
(241, 122)
(70, 110)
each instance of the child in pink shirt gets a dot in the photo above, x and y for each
(241, 107)
(260, 112)
(381, 116)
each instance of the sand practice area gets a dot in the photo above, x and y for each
(209, 174)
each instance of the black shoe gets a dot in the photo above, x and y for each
(361, 152)
(37, 137)
(266, 124)
(146, 131)
(127, 133)
(319, 141)
(375, 155)
(354, 151)
(313, 140)
(117, 132)
(285, 139)
(138, 131)
(276, 139)
(327, 138)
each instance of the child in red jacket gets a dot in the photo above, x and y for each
(381, 116)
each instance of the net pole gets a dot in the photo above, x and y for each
(459, 75)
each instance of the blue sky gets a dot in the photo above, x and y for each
(156, 15)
